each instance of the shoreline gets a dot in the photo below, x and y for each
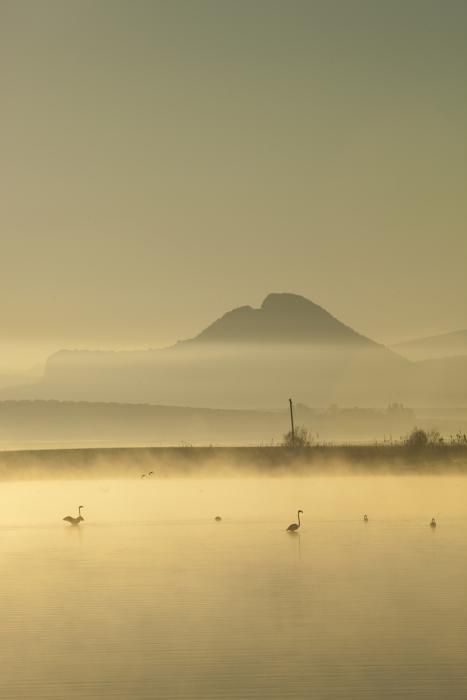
(166, 462)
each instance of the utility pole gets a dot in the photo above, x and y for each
(291, 422)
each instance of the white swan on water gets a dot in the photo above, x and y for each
(74, 521)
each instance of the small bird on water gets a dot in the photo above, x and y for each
(74, 521)
(293, 527)
(433, 522)
(365, 518)
(218, 518)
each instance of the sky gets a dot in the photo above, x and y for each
(163, 162)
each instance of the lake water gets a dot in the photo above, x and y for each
(151, 598)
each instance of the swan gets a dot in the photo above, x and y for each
(75, 521)
(293, 527)
(433, 522)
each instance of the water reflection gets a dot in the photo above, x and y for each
(151, 597)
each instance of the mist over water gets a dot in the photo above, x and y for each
(222, 271)
(150, 597)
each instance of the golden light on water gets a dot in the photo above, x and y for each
(151, 593)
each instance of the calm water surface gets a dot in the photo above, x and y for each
(150, 598)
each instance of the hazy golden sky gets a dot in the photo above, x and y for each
(162, 162)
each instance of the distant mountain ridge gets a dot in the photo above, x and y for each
(282, 318)
(253, 358)
(434, 346)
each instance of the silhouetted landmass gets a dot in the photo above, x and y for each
(256, 358)
(283, 319)
(36, 423)
(231, 461)
(435, 346)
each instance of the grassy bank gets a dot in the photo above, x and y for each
(230, 461)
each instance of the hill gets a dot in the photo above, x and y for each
(249, 358)
(42, 424)
(255, 358)
(281, 319)
(435, 346)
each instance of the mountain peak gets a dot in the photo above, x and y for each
(286, 301)
(282, 318)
